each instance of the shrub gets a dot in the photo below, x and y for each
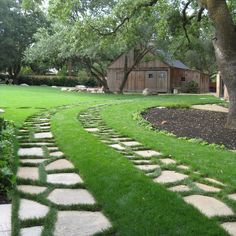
(190, 87)
(7, 155)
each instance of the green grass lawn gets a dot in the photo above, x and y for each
(134, 203)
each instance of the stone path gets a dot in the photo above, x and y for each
(211, 107)
(178, 177)
(48, 182)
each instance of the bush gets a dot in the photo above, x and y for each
(190, 87)
(7, 155)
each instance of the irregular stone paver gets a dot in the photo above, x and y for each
(45, 127)
(60, 165)
(183, 167)
(52, 148)
(167, 161)
(142, 161)
(32, 231)
(131, 143)
(211, 107)
(34, 151)
(82, 223)
(64, 178)
(5, 219)
(32, 161)
(207, 188)
(209, 206)
(214, 181)
(31, 209)
(56, 154)
(71, 196)
(230, 227)
(37, 144)
(147, 153)
(44, 119)
(117, 147)
(232, 196)
(31, 189)
(180, 188)
(120, 139)
(92, 130)
(43, 135)
(147, 167)
(31, 173)
(170, 177)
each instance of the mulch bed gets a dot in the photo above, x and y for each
(193, 123)
(3, 198)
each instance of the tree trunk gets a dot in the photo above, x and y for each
(225, 50)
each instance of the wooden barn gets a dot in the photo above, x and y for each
(156, 72)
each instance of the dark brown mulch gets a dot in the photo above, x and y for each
(3, 198)
(192, 123)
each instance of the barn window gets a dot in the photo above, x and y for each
(183, 79)
(150, 75)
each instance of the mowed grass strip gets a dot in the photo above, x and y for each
(134, 204)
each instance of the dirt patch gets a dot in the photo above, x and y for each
(3, 198)
(193, 123)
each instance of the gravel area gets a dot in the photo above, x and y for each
(193, 123)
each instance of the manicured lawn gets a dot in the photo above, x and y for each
(135, 204)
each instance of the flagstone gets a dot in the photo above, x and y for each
(64, 178)
(131, 143)
(45, 127)
(142, 161)
(170, 177)
(38, 144)
(83, 223)
(32, 161)
(71, 196)
(232, 196)
(207, 188)
(117, 147)
(183, 167)
(214, 181)
(60, 165)
(148, 153)
(209, 206)
(31, 173)
(34, 151)
(44, 119)
(147, 167)
(31, 189)
(180, 188)
(43, 135)
(230, 227)
(120, 139)
(31, 209)
(168, 161)
(5, 219)
(92, 130)
(52, 148)
(35, 231)
(56, 154)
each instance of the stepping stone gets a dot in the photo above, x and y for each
(92, 130)
(232, 196)
(147, 167)
(34, 151)
(209, 206)
(5, 219)
(170, 177)
(31, 210)
(32, 161)
(120, 139)
(56, 154)
(207, 188)
(214, 181)
(142, 161)
(31, 173)
(43, 135)
(64, 178)
(168, 161)
(31, 189)
(131, 143)
(180, 188)
(148, 153)
(36, 231)
(42, 124)
(52, 148)
(117, 147)
(183, 167)
(60, 165)
(230, 227)
(83, 223)
(45, 127)
(44, 119)
(71, 196)
(37, 144)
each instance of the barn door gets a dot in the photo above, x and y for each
(162, 78)
(151, 80)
